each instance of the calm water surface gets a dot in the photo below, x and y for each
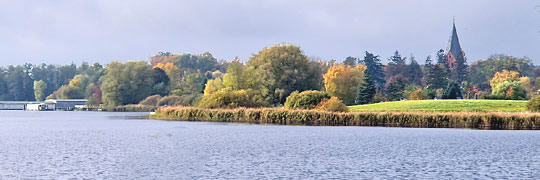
(104, 145)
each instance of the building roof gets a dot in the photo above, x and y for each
(453, 45)
(19, 102)
(66, 100)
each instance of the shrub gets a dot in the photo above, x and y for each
(151, 100)
(173, 100)
(306, 99)
(418, 94)
(333, 104)
(227, 98)
(379, 97)
(534, 104)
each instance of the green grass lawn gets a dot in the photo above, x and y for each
(445, 106)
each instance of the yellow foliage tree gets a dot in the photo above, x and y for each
(342, 81)
(503, 76)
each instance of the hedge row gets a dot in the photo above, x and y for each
(490, 120)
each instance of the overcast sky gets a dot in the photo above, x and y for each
(61, 32)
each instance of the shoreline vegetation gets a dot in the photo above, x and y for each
(282, 116)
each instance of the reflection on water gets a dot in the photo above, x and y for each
(60, 145)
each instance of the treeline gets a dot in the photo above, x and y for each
(269, 77)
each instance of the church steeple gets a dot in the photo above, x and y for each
(454, 49)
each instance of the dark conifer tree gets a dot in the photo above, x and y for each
(452, 91)
(436, 77)
(375, 70)
(461, 68)
(366, 90)
(395, 87)
(396, 58)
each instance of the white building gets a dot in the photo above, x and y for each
(64, 104)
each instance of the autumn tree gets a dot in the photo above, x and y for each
(503, 76)
(342, 81)
(507, 85)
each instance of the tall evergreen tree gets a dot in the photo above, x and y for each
(366, 90)
(396, 58)
(428, 64)
(452, 91)
(436, 77)
(375, 70)
(461, 68)
(395, 87)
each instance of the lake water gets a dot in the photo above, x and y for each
(106, 145)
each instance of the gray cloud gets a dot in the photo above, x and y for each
(60, 32)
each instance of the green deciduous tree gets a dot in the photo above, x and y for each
(283, 69)
(127, 83)
(39, 90)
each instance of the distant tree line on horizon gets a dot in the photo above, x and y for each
(269, 77)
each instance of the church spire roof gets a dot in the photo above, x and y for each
(454, 46)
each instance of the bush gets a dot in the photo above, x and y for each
(333, 104)
(534, 104)
(227, 98)
(151, 100)
(378, 97)
(306, 99)
(173, 100)
(418, 94)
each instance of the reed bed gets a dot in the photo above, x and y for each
(479, 120)
(131, 108)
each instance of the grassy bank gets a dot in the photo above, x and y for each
(491, 120)
(445, 106)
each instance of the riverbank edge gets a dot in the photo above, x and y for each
(282, 116)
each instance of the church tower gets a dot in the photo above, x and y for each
(455, 57)
(454, 50)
